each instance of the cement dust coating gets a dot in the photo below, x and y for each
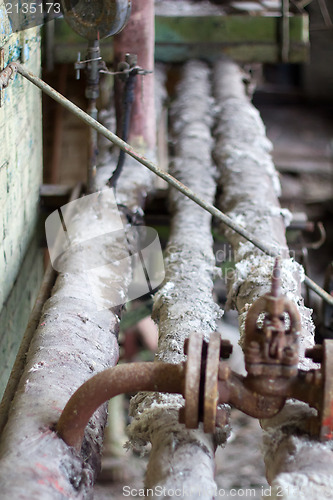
(65, 235)
(251, 188)
(297, 466)
(55, 368)
(181, 457)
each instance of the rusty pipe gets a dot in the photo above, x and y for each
(133, 377)
(235, 392)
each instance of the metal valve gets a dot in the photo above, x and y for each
(206, 380)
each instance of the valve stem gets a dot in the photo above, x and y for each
(276, 278)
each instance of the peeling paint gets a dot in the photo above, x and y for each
(20, 179)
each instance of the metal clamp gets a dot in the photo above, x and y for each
(126, 68)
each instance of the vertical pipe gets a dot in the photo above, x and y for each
(138, 38)
(92, 149)
(58, 124)
(92, 93)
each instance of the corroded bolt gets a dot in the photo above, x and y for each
(315, 353)
(222, 417)
(181, 415)
(289, 352)
(255, 369)
(225, 349)
(314, 377)
(254, 346)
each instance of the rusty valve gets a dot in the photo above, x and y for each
(206, 380)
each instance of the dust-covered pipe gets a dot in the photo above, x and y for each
(76, 338)
(182, 461)
(297, 466)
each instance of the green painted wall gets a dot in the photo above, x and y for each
(20, 179)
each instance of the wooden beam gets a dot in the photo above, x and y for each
(242, 37)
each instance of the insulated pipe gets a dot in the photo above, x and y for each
(181, 458)
(296, 466)
(228, 221)
(43, 294)
(73, 341)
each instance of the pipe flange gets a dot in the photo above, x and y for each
(193, 349)
(211, 382)
(326, 415)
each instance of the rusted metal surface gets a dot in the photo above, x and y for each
(326, 415)
(92, 68)
(121, 379)
(193, 349)
(272, 349)
(323, 379)
(138, 38)
(6, 73)
(210, 383)
(271, 354)
(205, 381)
